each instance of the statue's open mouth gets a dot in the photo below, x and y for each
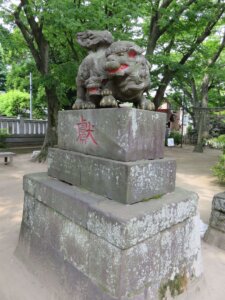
(121, 68)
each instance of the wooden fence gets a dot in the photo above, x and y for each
(23, 126)
(23, 131)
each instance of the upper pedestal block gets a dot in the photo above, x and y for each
(123, 134)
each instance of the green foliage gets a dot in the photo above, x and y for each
(176, 136)
(217, 142)
(190, 131)
(3, 136)
(14, 103)
(130, 20)
(2, 71)
(61, 20)
(219, 169)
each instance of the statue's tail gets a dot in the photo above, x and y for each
(93, 39)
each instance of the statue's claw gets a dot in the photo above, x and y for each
(147, 105)
(80, 104)
(108, 100)
(89, 105)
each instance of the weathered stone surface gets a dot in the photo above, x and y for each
(215, 234)
(123, 134)
(125, 182)
(174, 251)
(112, 72)
(63, 279)
(121, 225)
(72, 202)
(217, 220)
(219, 202)
(215, 237)
(152, 241)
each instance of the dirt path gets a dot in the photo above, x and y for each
(194, 173)
(16, 283)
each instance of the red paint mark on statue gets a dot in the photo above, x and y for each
(85, 131)
(92, 90)
(122, 67)
(132, 53)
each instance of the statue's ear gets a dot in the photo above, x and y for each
(82, 37)
(107, 37)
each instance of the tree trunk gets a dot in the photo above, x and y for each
(162, 88)
(51, 137)
(202, 132)
(32, 31)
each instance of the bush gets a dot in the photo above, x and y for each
(217, 142)
(191, 131)
(14, 103)
(219, 168)
(176, 136)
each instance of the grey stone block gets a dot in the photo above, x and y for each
(125, 182)
(68, 200)
(121, 225)
(217, 220)
(123, 134)
(114, 272)
(64, 281)
(105, 262)
(215, 237)
(160, 257)
(219, 202)
(119, 252)
(125, 226)
(215, 234)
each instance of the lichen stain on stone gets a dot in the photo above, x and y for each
(173, 287)
(111, 231)
(134, 125)
(157, 196)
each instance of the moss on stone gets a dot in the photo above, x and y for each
(175, 286)
(158, 196)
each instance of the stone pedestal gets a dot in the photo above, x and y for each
(126, 182)
(79, 228)
(124, 134)
(215, 234)
(113, 250)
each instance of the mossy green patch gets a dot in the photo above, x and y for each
(175, 286)
(158, 196)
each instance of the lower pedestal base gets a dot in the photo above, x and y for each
(91, 248)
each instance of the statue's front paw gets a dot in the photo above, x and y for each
(146, 105)
(80, 104)
(108, 101)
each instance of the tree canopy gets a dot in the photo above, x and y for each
(179, 36)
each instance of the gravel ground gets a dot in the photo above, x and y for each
(193, 173)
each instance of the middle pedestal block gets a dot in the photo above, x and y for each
(125, 182)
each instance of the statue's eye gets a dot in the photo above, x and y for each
(132, 53)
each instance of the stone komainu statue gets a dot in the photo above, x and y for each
(112, 73)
